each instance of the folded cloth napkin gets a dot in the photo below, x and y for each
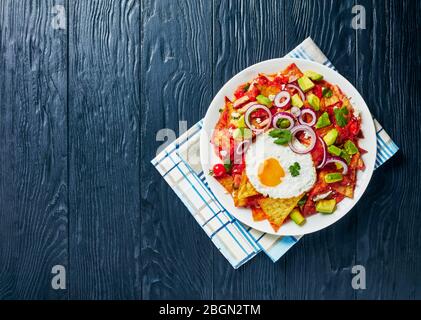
(237, 242)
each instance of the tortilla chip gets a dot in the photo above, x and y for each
(239, 202)
(347, 191)
(278, 210)
(258, 214)
(227, 182)
(246, 189)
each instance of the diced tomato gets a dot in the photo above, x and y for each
(317, 153)
(259, 113)
(238, 168)
(279, 81)
(262, 80)
(253, 93)
(241, 91)
(318, 91)
(354, 126)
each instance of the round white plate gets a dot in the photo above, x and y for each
(315, 222)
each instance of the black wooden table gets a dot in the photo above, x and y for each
(81, 104)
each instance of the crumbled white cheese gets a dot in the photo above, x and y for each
(356, 113)
(306, 135)
(223, 153)
(322, 196)
(258, 120)
(271, 97)
(235, 115)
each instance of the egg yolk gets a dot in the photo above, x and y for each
(270, 172)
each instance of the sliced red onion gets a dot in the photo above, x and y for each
(322, 164)
(342, 162)
(266, 122)
(295, 111)
(300, 92)
(303, 149)
(284, 96)
(283, 115)
(310, 112)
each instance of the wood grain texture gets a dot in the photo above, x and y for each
(33, 151)
(388, 60)
(319, 267)
(176, 86)
(246, 32)
(104, 99)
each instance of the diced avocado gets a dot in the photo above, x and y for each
(313, 75)
(242, 134)
(283, 123)
(323, 121)
(331, 136)
(350, 147)
(345, 156)
(297, 217)
(239, 123)
(314, 101)
(305, 83)
(327, 93)
(296, 101)
(333, 177)
(334, 150)
(326, 206)
(264, 100)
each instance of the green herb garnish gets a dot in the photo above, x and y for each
(282, 136)
(302, 201)
(340, 114)
(327, 93)
(295, 169)
(228, 165)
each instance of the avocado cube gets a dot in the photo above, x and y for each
(264, 100)
(297, 217)
(331, 136)
(326, 206)
(305, 83)
(333, 177)
(313, 75)
(323, 121)
(314, 101)
(334, 150)
(296, 101)
(350, 147)
(345, 156)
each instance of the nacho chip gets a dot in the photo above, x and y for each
(347, 191)
(258, 214)
(278, 210)
(246, 189)
(239, 202)
(227, 182)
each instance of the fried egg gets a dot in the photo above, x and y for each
(268, 169)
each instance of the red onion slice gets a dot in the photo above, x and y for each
(322, 164)
(342, 162)
(303, 149)
(300, 92)
(282, 95)
(283, 115)
(310, 112)
(266, 122)
(295, 111)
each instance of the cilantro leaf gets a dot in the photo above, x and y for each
(282, 136)
(327, 93)
(295, 169)
(340, 114)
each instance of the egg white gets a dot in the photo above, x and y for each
(264, 148)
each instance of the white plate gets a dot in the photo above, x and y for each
(315, 222)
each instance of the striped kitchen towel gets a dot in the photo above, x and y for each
(178, 164)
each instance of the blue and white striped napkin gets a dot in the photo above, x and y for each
(237, 242)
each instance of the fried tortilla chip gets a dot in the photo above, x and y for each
(347, 191)
(258, 214)
(227, 182)
(246, 189)
(237, 201)
(277, 210)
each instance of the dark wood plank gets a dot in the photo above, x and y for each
(33, 151)
(388, 62)
(104, 99)
(247, 32)
(319, 267)
(176, 86)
